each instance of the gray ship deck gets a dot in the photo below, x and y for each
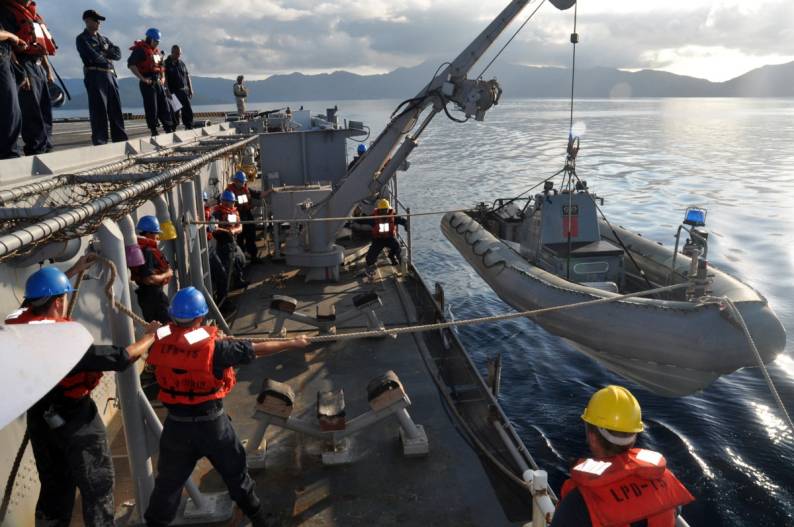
(450, 486)
(77, 132)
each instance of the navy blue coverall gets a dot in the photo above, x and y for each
(104, 102)
(75, 455)
(177, 80)
(191, 432)
(34, 101)
(155, 104)
(10, 114)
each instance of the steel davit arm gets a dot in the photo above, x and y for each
(373, 172)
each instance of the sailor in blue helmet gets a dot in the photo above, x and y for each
(225, 232)
(194, 365)
(104, 102)
(153, 275)
(146, 63)
(360, 151)
(10, 114)
(66, 432)
(245, 197)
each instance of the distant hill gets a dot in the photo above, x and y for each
(517, 81)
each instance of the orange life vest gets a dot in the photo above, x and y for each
(32, 29)
(627, 488)
(74, 386)
(152, 64)
(243, 196)
(384, 225)
(161, 264)
(182, 358)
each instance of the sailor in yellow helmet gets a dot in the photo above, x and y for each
(384, 234)
(620, 485)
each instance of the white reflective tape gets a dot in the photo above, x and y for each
(197, 335)
(41, 322)
(231, 218)
(591, 466)
(649, 456)
(383, 227)
(37, 30)
(163, 332)
(16, 314)
(242, 199)
(46, 32)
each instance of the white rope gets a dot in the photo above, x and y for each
(754, 348)
(474, 321)
(319, 220)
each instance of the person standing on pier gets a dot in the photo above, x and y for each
(620, 484)
(21, 18)
(240, 94)
(146, 63)
(104, 102)
(10, 115)
(67, 435)
(180, 85)
(194, 365)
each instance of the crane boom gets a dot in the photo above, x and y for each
(372, 173)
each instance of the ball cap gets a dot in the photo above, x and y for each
(90, 13)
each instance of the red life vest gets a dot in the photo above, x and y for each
(384, 226)
(74, 386)
(229, 215)
(627, 488)
(161, 264)
(184, 370)
(152, 64)
(243, 196)
(32, 29)
(208, 217)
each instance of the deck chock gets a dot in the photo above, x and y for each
(285, 308)
(214, 507)
(386, 397)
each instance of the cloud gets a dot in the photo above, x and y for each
(260, 37)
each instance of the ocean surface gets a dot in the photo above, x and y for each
(649, 159)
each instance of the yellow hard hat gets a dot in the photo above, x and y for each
(383, 204)
(614, 408)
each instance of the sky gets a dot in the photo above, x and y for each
(711, 39)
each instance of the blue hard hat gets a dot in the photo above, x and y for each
(362, 148)
(228, 195)
(154, 34)
(148, 224)
(240, 176)
(188, 304)
(49, 281)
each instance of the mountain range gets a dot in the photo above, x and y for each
(517, 82)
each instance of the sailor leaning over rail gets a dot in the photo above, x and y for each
(146, 63)
(22, 18)
(194, 366)
(384, 234)
(620, 485)
(104, 102)
(66, 432)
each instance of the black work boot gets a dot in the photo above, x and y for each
(263, 519)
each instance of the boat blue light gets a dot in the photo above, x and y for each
(695, 217)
